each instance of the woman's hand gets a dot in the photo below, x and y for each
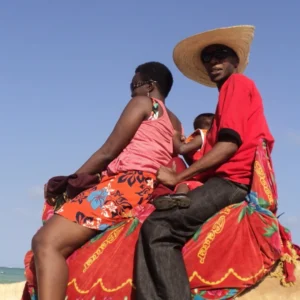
(167, 176)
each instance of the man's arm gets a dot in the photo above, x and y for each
(220, 153)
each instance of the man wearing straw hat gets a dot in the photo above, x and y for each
(216, 58)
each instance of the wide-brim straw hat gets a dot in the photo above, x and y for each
(187, 53)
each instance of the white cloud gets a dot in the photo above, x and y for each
(36, 192)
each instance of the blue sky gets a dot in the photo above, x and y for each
(65, 69)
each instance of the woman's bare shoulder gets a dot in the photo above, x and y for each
(175, 121)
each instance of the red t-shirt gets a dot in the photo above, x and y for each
(239, 114)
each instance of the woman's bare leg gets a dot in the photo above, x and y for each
(51, 245)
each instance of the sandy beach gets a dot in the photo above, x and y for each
(270, 289)
(11, 291)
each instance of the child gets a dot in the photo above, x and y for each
(190, 148)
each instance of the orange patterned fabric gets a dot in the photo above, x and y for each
(110, 201)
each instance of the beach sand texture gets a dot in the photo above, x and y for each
(269, 289)
(11, 291)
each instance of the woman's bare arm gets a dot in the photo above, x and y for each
(175, 121)
(131, 118)
(177, 126)
(184, 148)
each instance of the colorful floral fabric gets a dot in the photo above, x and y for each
(231, 252)
(109, 202)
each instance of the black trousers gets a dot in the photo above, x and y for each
(160, 272)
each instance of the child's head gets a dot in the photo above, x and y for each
(203, 121)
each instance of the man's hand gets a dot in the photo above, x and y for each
(167, 176)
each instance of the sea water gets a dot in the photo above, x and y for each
(10, 275)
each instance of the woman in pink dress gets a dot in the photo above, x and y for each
(139, 144)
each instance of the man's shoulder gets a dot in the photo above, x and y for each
(244, 84)
(241, 79)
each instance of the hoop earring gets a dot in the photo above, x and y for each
(148, 94)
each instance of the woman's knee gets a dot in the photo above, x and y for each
(61, 236)
(39, 243)
(44, 242)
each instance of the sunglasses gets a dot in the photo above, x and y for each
(134, 86)
(219, 53)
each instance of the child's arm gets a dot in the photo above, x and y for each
(183, 148)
